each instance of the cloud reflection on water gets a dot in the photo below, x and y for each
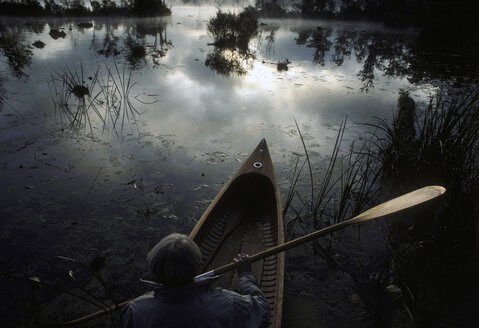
(199, 106)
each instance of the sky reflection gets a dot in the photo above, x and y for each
(200, 106)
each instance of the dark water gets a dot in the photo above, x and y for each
(111, 173)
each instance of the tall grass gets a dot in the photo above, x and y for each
(433, 256)
(344, 189)
(430, 264)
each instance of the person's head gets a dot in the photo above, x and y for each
(175, 260)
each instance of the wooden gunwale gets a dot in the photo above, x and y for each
(246, 215)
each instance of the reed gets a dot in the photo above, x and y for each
(106, 100)
(347, 185)
(72, 96)
(432, 260)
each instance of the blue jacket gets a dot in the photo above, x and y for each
(197, 305)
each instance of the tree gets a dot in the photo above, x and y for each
(150, 7)
(316, 8)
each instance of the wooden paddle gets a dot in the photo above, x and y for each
(394, 205)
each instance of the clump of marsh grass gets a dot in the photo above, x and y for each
(103, 99)
(433, 256)
(430, 264)
(72, 96)
(232, 34)
(443, 145)
(231, 30)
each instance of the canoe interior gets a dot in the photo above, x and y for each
(245, 220)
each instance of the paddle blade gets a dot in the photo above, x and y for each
(400, 203)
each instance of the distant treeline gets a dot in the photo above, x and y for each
(81, 8)
(394, 12)
(447, 25)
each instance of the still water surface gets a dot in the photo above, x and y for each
(79, 181)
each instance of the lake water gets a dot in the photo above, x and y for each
(162, 131)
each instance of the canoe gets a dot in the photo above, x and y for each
(246, 216)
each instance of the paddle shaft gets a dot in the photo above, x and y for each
(392, 206)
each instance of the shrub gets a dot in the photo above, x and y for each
(230, 30)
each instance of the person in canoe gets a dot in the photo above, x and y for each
(178, 300)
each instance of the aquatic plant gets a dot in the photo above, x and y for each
(430, 260)
(38, 44)
(432, 256)
(232, 34)
(234, 30)
(347, 186)
(72, 96)
(107, 96)
(115, 95)
(56, 34)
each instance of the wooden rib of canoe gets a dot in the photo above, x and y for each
(246, 216)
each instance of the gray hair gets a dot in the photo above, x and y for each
(175, 260)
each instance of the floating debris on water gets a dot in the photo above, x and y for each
(171, 217)
(394, 291)
(56, 34)
(39, 44)
(204, 201)
(215, 157)
(200, 187)
(35, 279)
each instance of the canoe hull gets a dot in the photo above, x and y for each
(246, 216)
